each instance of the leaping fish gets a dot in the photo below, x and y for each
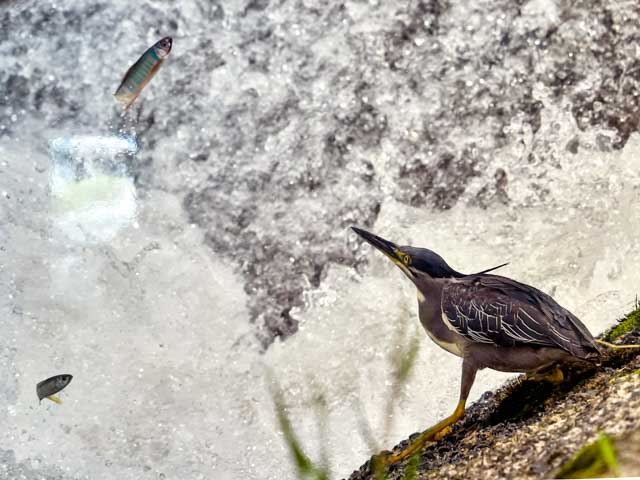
(142, 71)
(49, 387)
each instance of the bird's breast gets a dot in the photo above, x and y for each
(437, 330)
(450, 347)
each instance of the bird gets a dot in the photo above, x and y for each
(490, 321)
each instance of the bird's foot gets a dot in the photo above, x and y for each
(432, 435)
(435, 433)
(442, 433)
(554, 376)
(413, 448)
(380, 462)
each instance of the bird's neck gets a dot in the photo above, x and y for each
(429, 295)
(428, 287)
(430, 313)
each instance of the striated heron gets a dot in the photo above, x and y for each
(488, 320)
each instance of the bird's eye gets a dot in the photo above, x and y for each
(406, 259)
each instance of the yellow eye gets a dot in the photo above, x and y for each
(406, 259)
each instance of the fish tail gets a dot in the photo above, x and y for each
(55, 399)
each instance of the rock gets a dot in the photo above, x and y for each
(530, 429)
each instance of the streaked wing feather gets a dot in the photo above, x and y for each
(500, 311)
(562, 319)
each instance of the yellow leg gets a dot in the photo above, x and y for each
(55, 399)
(434, 433)
(613, 346)
(469, 369)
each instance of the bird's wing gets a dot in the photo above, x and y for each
(500, 311)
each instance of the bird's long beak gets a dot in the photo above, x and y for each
(385, 246)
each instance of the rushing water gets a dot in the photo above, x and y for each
(168, 259)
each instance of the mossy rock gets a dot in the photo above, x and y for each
(595, 460)
(624, 326)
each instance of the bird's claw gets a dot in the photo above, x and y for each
(382, 455)
(380, 461)
(413, 448)
(554, 376)
(442, 433)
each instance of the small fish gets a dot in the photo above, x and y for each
(142, 71)
(49, 387)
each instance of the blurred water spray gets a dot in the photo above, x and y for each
(92, 196)
(489, 131)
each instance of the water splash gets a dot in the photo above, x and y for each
(92, 197)
(488, 133)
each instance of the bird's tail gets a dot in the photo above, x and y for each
(614, 346)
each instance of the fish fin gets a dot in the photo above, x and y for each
(130, 102)
(55, 399)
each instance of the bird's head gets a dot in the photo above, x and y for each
(414, 262)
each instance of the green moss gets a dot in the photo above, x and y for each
(631, 321)
(597, 459)
(411, 471)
